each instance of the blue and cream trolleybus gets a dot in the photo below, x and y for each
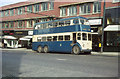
(63, 35)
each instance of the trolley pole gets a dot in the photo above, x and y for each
(102, 39)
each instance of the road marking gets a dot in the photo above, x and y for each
(62, 59)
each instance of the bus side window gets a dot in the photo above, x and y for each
(75, 21)
(79, 36)
(60, 38)
(67, 37)
(84, 36)
(43, 38)
(49, 38)
(89, 37)
(39, 39)
(54, 38)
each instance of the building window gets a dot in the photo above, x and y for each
(72, 10)
(51, 5)
(44, 6)
(115, 1)
(19, 24)
(11, 12)
(43, 20)
(29, 8)
(36, 8)
(16, 11)
(7, 13)
(62, 11)
(6, 25)
(97, 7)
(36, 21)
(20, 11)
(85, 8)
(2, 13)
(29, 23)
(11, 25)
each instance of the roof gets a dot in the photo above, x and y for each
(76, 2)
(60, 20)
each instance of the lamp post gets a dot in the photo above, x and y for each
(102, 39)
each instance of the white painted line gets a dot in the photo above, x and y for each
(62, 59)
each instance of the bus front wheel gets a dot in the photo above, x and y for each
(76, 50)
(39, 49)
(46, 49)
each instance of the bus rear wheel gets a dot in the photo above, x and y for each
(76, 50)
(46, 49)
(39, 50)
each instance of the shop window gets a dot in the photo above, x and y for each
(113, 39)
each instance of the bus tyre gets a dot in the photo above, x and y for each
(76, 50)
(45, 49)
(39, 50)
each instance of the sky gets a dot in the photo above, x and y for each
(7, 2)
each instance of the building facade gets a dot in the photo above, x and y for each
(18, 19)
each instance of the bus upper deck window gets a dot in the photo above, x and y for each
(44, 26)
(82, 21)
(55, 24)
(61, 23)
(50, 25)
(86, 22)
(75, 21)
(67, 22)
(84, 36)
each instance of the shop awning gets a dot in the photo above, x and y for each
(9, 37)
(26, 38)
(112, 28)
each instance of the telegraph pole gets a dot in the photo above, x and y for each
(102, 39)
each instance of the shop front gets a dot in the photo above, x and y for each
(96, 25)
(112, 38)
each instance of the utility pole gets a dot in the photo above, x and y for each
(102, 39)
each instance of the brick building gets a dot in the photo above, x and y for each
(18, 19)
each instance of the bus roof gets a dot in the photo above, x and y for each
(60, 20)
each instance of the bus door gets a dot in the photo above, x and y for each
(74, 38)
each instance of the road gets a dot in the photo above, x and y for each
(20, 63)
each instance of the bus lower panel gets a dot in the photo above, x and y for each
(56, 46)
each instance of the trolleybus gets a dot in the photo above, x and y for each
(63, 35)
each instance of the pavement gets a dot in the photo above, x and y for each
(92, 53)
